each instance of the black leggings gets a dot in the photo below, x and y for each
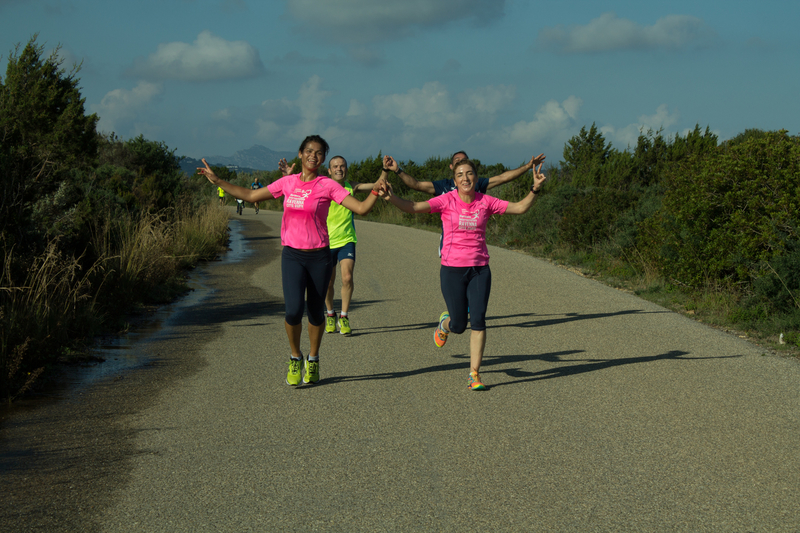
(305, 275)
(466, 287)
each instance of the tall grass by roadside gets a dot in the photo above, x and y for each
(62, 303)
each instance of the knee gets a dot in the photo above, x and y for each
(294, 315)
(457, 327)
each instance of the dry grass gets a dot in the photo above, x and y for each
(60, 300)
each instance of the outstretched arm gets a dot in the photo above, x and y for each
(365, 206)
(402, 204)
(422, 186)
(510, 175)
(518, 208)
(361, 187)
(248, 195)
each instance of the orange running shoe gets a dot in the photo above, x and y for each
(439, 334)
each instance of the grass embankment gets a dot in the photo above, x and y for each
(63, 303)
(724, 307)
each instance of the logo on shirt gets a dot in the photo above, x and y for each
(468, 221)
(297, 199)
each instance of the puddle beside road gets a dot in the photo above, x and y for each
(126, 352)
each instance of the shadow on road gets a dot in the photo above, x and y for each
(565, 318)
(522, 376)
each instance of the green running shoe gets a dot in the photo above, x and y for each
(344, 325)
(311, 372)
(330, 323)
(439, 334)
(293, 377)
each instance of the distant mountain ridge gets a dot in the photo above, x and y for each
(257, 157)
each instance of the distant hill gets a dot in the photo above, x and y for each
(256, 157)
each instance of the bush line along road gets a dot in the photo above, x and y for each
(604, 413)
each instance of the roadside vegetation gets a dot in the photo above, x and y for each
(93, 227)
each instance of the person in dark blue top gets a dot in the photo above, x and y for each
(255, 185)
(444, 186)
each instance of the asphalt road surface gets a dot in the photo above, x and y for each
(604, 413)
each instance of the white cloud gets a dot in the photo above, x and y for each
(628, 136)
(365, 21)
(208, 58)
(295, 118)
(552, 120)
(356, 109)
(434, 107)
(428, 107)
(122, 105)
(607, 33)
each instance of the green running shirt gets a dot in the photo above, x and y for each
(340, 223)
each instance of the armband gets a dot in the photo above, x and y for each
(374, 192)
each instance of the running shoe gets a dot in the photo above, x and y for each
(330, 323)
(311, 372)
(439, 334)
(293, 377)
(475, 382)
(344, 325)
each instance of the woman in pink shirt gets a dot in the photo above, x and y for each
(465, 277)
(306, 260)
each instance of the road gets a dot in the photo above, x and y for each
(604, 413)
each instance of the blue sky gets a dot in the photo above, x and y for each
(503, 80)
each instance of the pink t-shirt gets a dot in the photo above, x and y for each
(305, 209)
(464, 225)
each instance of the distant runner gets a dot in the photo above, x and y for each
(255, 186)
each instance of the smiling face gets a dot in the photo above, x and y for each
(312, 156)
(465, 177)
(338, 169)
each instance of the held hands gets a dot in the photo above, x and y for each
(284, 167)
(390, 164)
(382, 187)
(208, 173)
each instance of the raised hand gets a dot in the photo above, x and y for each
(284, 167)
(538, 160)
(390, 163)
(538, 177)
(208, 173)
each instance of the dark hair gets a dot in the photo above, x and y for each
(315, 139)
(462, 162)
(337, 157)
(452, 160)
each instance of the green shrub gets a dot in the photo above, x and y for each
(727, 212)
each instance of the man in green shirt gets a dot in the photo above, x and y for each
(342, 234)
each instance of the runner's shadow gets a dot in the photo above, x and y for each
(564, 318)
(522, 376)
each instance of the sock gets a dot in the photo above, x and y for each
(313, 359)
(331, 312)
(296, 358)
(343, 314)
